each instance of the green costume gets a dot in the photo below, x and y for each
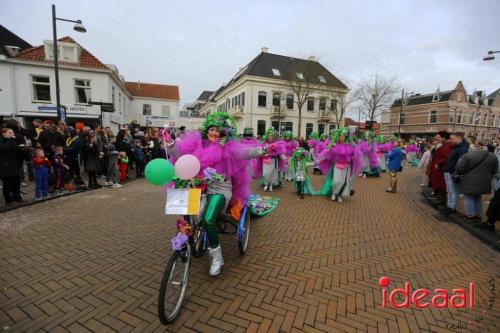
(300, 161)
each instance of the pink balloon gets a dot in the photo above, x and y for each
(187, 167)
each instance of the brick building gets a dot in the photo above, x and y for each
(476, 114)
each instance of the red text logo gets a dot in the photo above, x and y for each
(440, 298)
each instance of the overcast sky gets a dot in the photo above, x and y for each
(198, 45)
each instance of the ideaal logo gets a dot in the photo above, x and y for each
(460, 298)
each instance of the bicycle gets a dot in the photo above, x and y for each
(175, 279)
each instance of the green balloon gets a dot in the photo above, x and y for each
(159, 171)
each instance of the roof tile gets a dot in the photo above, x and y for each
(163, 91)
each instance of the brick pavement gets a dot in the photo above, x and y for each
(92, 262)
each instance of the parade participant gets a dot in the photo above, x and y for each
(381, 151)
(271, 163)
(289, 146)
(411, 151)
(249, 140)
(338, 161)
(299, 161)
(395, 157)
(370, 165)
(215, 149)
(313, 143)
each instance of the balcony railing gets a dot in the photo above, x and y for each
(278, 111)
(236, 111)
(324, 115)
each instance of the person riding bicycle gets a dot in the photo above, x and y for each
(215, 148)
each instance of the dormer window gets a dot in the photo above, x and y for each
(300, 76)
(321, 79)
(435, 98)
(67, 52)
(276, 72)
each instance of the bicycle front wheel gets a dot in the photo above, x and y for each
(174, 285)
(244, 230)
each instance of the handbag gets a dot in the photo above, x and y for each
(458, 177)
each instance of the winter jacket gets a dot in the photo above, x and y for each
(436, 174)
(478, 180)
(457, 151)
(93, 162)
(47, 139)
(395, 157)
(10, 157)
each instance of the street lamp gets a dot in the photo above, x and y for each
(490, 55)
(401, 111)
(61, 114)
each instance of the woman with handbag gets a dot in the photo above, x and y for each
(476, 169)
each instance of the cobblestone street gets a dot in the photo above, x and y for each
(93, 262)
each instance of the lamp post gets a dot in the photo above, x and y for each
(490, 55)
(401, 110)
(61, 113)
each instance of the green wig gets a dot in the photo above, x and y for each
(287, 135)
(314, 136)
(269, 131)
(380, 139)
(335, 138)
(223, 122)
(299, 159)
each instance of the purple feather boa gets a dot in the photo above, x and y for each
(369, 150)
(289, 147)
(229, 160)
(344, 153)
(277, 150)
(412, 149)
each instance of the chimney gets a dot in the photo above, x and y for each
(264, 50)
(312, 58)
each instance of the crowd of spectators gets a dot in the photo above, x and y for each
(58, 158)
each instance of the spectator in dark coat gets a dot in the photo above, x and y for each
(123, 144)
(460, 147)
(10, 161)
(93, 160)
(49, 138)
(436, 174)
(478, 168)
(72, 151)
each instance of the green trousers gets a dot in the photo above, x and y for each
(215, 205)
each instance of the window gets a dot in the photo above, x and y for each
(165, 110)
(276, 72)
(497, 122)
(459, 117)
(261, 127)
(333, 105)
(485, 119)
(113, 95)
(433, 117)
(275, 125)
(276, 99)
(310, 104)
(262, 99)
(309, 129)
(228, 104)
(300, 76)
(321, 129)
(41, 88)
(146, 109)
(287, 126)
(322, 104)
(321, 79)
(242, 99)
(332, 127)
(238, 100)
(452, 116)
(82, 90)
(119, 102)
(402, 118)
(289, 101)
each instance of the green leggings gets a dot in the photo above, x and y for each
(215, 205)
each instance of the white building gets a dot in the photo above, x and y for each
(154, 105)
(27, 83)
(190, 117)
(260, 95)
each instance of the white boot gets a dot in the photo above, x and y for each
(271, 188)
(334, 197)
(339, 199)
(265, 188)
(216, 261)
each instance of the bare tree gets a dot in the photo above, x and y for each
(376, 95)
(343, 102)
(300, 76)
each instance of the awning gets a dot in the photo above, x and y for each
(54, 115)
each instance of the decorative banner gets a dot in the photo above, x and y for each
(183, 202)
